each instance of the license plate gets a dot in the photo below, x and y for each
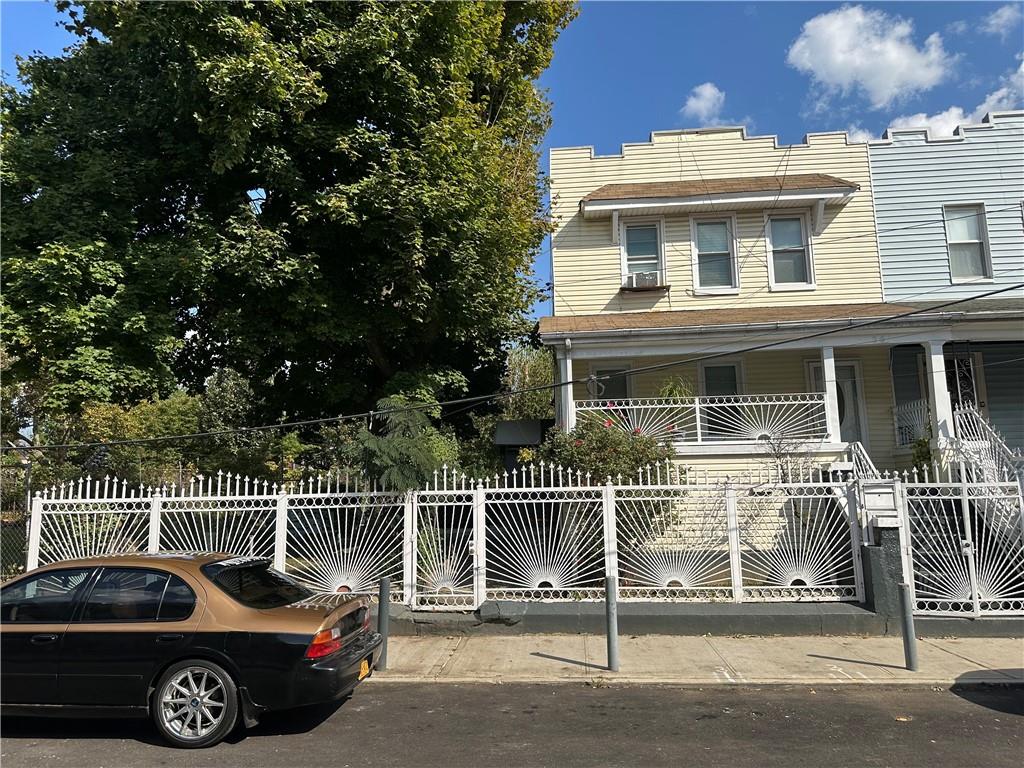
(364, 668)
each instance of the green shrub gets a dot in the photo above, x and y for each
(603, 450)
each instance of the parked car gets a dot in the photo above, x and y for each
(196, 641)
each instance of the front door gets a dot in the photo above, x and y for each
(133, 622)
(34, 613)
(965, 379)
(850, 393)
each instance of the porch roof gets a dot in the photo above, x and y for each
(696, 320)
(799, 189)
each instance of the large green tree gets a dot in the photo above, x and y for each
(321, 196)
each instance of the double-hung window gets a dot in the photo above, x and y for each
(967, 240)
(642, 266)
(789, 253)
(714, 255)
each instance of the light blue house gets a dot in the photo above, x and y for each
(950, 221)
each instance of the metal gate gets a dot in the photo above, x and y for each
(964, 545)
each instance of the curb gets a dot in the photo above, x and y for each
(612, 680)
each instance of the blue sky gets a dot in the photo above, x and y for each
(622, 70)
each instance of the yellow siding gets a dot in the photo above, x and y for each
(586, 264)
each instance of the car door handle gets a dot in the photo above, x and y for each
(168, 638)
(43, 639)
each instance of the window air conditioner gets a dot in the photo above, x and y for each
(642, 280)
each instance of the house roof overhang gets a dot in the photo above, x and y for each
(692, 324)
(754, 192)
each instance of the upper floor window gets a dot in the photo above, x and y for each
(967, 240)
(789, 253)
(642, 267)
(714, 255)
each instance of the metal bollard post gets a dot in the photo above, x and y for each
(611, 589)
(383, 614)
(909, 637)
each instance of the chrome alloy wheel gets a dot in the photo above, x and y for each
(192, 703)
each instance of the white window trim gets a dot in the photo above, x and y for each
(858, 372)
(740, 378)
(596, 369)
(805, 224)
(986, 252)
(626, 222)
(732, 290)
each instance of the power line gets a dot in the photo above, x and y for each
(481, 399)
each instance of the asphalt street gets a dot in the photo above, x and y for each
(569, 725)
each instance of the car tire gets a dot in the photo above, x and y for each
(195, 704)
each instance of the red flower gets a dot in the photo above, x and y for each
(636, 431)
(607, 422)
(579, 443)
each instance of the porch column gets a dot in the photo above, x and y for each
(828, 375)
(567, 405)
(938, 393)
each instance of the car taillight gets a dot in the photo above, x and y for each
(325, 642)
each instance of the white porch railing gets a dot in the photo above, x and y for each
(981, 446)
(911, 422)
(717, 419)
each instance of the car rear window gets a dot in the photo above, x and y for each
(255, 585)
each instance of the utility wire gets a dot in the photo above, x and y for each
(481, 399)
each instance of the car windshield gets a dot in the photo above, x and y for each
(255, 585)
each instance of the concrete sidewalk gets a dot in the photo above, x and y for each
(701, 660)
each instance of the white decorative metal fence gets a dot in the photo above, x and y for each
(544, 533)
(964, 544)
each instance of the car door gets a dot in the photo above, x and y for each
(133, 622)
(34, 615)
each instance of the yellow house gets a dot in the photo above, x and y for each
(724, 293)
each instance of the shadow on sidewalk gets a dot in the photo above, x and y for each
(856, 661)
(564, 660)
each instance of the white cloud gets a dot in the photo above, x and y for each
(859, 50)
(705, 104)
(940, 124)
(1009, 95)
(1002, 21)
(856, 133)
(959, 27)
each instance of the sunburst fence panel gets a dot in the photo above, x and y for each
(798, 542)
(239, 525)
(443, 551)
(68, 529)
(545, 544)
(346, 542)
(966, 548)
(673, 543)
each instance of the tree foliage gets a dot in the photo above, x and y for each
(320, 196)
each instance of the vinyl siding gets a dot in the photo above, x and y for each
(913, 178)
(586, 264)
